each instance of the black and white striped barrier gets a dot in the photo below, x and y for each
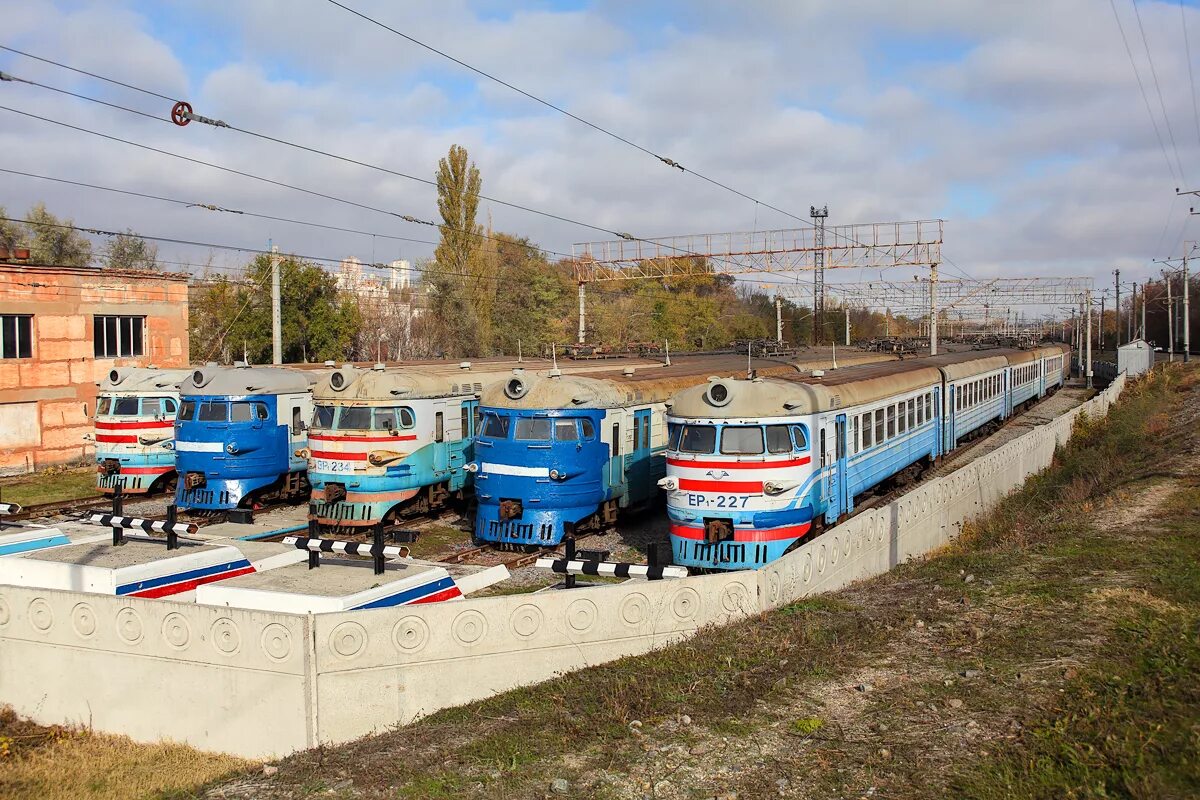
(147, 525)
(612, 569)
(10, 508)
(315, 545)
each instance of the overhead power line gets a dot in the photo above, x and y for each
(1158, 88)
(1191, 73)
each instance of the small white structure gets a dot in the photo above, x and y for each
(1135, 358)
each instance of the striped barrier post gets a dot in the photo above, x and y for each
(10, 508)
(121, 523)
(611, 569)
(316, 545)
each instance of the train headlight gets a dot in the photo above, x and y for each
(231, 448)
(670, 483)
(472, 467)
(303, 452)
(555, 475)
(168, 445)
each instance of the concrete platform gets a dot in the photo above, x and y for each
(142, 567)
(344, 584)
(16, 539)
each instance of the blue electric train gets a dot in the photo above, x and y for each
(755, 466)
(240, 436)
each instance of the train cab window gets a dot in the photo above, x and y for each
(125, 407)
(169, 405)
(698, 439)
(566, 430)
(187, 409)
(240, 412)
(261, 411)
(778, 439)
(322, 417)
(214, 412)
(384, 419)
(800, 437)
(103, 405)
(673, 431)
(533, 429)
(439, 427)
(354, 419)
(589, 430)
(409, 420)
(495, 426)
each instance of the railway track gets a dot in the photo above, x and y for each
(73, 507)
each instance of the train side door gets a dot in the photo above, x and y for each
(951, 399)
(840, 485)
(616, 461)
(637, 472)
(460, 434)
(441, 460)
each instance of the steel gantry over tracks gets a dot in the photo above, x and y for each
(877, 245)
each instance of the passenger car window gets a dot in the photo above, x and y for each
(778, 439)
(879, 438)
(240, 412)
(533, 429)
(891, 421)
(698, 439)
(214, 412)
(495, 426)
(868, 429)
(738, 440)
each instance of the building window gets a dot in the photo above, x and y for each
(118, 336)
(16, 336)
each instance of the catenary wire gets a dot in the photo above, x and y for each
(1141, 86)
(1158, 89)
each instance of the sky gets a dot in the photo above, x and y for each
(1021, 124)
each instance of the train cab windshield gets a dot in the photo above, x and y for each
(363, 418)
(740, 440)
(538, 429)
(117, 406)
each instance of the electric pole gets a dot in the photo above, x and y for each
(276, 311)
(1187, 323)
(818, 215)
(779, 320)
(1117, 306)
(933, 312)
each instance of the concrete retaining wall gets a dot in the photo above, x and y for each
(264, 684)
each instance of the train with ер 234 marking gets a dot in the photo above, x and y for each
(391, 442)
(240, 434)
(135, 430)
(559, 455)
(756, 466)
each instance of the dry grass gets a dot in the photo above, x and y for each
(62, 764)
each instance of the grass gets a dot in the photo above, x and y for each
(50, 486)
(56, 763)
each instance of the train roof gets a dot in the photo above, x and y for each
(238, 381)
(143, 379)
(351, 384)
(848, 386)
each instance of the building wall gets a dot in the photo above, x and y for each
(46, 401)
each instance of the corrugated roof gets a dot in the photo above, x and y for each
(237, 381)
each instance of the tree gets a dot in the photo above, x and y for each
(536, 306)
(455, 309)
(129, 251)
(52, 243)
(11, 235)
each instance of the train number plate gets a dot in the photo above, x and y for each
(329, 465)
(718, 500)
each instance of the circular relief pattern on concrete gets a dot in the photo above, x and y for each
(774, 590)
(129, 626)
(83, 620)
(735, 598)
(176, 631)
(225, 636)
(821, 560)
(41, 615)
(635, 609)
(469, 627)
(410, 634)
(348, 639)
(5, 613)
(685, 605)
(276, 642)
(806, 570)
(837, 550)
(846, 544)
(581, 615)
(526, 620)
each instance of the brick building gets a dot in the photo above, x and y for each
(61, 330)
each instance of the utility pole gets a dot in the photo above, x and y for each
(582, 310)
(1088, 347)
(1170, 320)
(933, 322)
(1100, 326)
(1117, 305)
(1132, 312)
(1187, 322)
(779, 319)
(1144, 285)
(818, 215)
(847, 326)
(276, 312)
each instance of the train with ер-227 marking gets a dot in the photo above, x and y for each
(135, 430)
(239, 436)
(559, 455)
(757, 466)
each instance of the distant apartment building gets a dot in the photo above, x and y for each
(61, 330)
